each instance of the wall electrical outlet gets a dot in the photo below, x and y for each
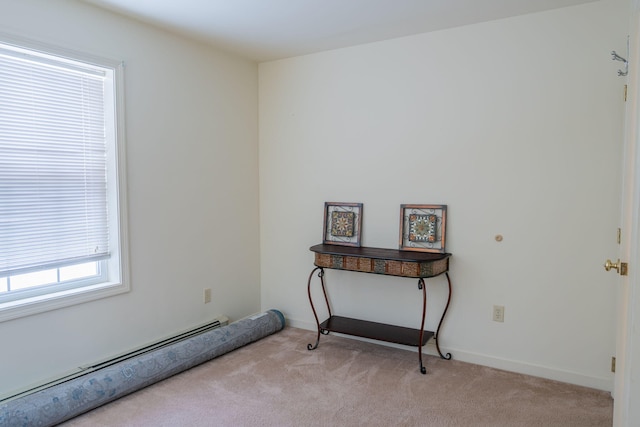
(207, 295)
(498, 313)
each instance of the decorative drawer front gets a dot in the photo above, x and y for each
(428, 269)
(350, 263)
(394, 268)
(323, 260)
(365, 265)
(410, 269)
(337, 261)
(382, 266)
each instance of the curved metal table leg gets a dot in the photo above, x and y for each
(422, 286)
(448, 355)
(315, 314)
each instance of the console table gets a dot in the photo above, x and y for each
(390, 262)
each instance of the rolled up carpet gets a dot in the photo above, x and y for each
(64, 401)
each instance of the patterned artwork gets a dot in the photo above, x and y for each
(422, 228)
(342, 223)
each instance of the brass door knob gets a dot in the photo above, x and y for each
(609, 265)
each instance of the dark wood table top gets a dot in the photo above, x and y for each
(378, 253)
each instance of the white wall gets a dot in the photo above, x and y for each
(191, 124)
(516, 125)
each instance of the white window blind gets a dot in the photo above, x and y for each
(53, 179)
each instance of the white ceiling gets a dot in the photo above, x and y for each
(264, 30)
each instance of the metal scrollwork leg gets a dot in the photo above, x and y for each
(314, 346)
(448, 355)
(315, 314)
(422, 286)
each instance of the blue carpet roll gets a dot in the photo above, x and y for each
(64, 401)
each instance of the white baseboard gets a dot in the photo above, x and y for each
(575, 378)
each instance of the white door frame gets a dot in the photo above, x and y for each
(627, 383)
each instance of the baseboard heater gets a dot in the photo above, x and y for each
(104, 381)
(86, 369)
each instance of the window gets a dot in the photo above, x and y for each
(62, 201)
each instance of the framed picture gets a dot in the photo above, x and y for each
(342, 223)
(422, 228)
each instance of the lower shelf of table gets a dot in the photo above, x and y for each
(376, 331)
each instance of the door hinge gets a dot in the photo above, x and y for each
(613, 364)
(625, 93)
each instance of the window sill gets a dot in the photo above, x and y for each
(40, 304)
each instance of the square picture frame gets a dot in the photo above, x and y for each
(423, 228)
(342, 224)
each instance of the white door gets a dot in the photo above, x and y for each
(627, 377)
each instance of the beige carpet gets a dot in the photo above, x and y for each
(278, 382)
